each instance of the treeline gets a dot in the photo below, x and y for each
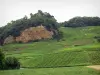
(40, 18)
(81, 21)
(14, 28)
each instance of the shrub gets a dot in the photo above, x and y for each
(58, 36)
(98, 39)
(1, 59)
(12, 63)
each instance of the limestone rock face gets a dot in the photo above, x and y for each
(34, 33)
(9, 39)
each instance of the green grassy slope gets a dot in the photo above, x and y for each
(78, 48)
(75, 49)
(63, 57)
(72, 36)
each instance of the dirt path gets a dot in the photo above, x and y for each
(96, 67)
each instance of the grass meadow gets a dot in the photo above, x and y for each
(69, 56)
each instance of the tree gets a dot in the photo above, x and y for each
(14, 28)
(12, 63)
(1, 59)
(58, 35)
(97, 38)
(82, 21)
(1, 41)
(9, 62)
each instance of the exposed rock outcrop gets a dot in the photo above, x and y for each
(9, 39)
(34, 33)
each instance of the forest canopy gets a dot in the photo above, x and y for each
(40, 18)
(82, 21)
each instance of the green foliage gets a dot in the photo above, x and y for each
(1, 59)
(58, 35)
(40, 18)
(12, 63)
(9, 62)
(43, 18)
(1, 41)
(82, 21)
(98, 39)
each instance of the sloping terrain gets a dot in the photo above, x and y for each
(75, 51)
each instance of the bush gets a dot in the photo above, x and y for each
(9, 62)
(12, 63)
(98, 39)
(58, 36)
(1, 59)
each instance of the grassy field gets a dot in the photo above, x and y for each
(70, 56)
(52, 71)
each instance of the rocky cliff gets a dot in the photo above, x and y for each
(31, 34)
(9, 39)
(34, 33)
